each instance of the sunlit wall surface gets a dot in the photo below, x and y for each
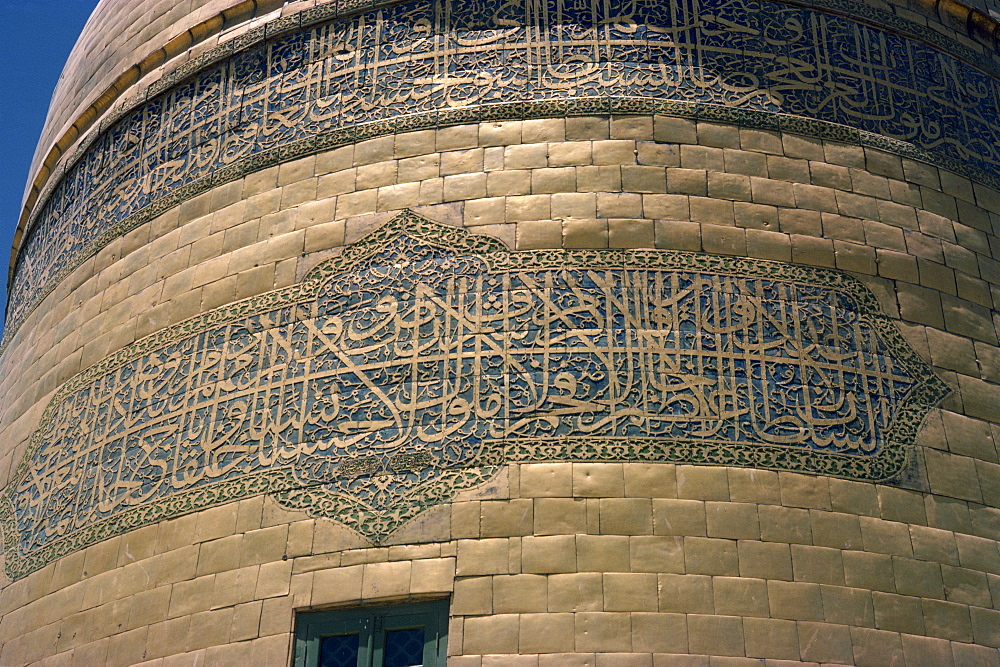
(570, 333)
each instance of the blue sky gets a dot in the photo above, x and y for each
(38, 37)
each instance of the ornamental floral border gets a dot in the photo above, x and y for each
(282, 484)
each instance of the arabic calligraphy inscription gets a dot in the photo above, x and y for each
(412, 357)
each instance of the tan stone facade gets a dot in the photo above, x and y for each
(557, 562)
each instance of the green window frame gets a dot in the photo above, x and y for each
(383, 636)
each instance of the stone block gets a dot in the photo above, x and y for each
(658, 154)
(868, 570)
(764, 560)
(191, 596)
(625, 591)
(703, 555)
(679, 517)
(567, 205)
(768, 191)
(630, 233)
(686, 593)
(676, 130)
(659, 633)
(209, 628)
(815, 251)
(544, 555)
(799, 221)
(631, 127)
(877, 647)
(729, 186)
(736, 521)
(951, 475)
(385, 580)
(966, 586)
(981, 400)
(553, 179)
(687, 181)
(587, 128)
(546, 480)
(559, 516)
(576, 592)
(755, 216)
(535, 234)
(598, 179)
(947, 620)
(740, 596)
(771, 638)
(626, 516)
(836, 529)
(986, 626)
(702, 157)
(848, 606)
(273, 579)
(711, 211)
(603, 631)
(546, 633)
(619, 205)
(650, 480)
(724, 240)
(978, 553)
(822, 565)
(926, 651)
(479, 557)
(649, 553)
(769, 245)
(825, 642)
(595, 480)
(602, 553)
(934, 544)
(898, 613)
(491, 634)
(702, 483)
(784, 524)
(506, 518)
(648, 179)
(970, 654)
(853, 497)
(519, 594)
(432, 575)
(665, 207)
(715, 635)
(795, 600)
(473, 596)
(614, 152)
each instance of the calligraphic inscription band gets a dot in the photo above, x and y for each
(419, 64)
(424, 357)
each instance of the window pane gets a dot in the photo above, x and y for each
(339, 651)
(404, 648)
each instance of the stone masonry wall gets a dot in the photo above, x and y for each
(205, 160)
(613, 563)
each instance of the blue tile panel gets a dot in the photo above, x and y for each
(414, 358)
(418, 59)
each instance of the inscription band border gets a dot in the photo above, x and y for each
(289, 492)
(509, 111)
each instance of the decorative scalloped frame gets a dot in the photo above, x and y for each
(318, 501)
